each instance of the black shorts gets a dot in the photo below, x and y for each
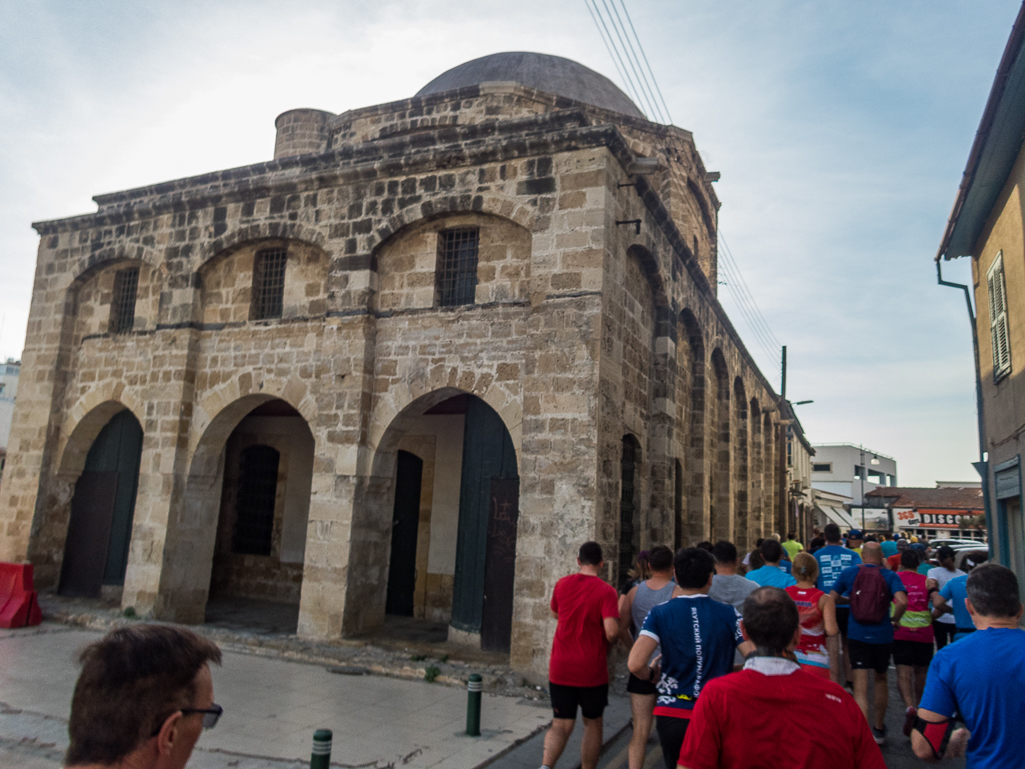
(842, 613)
(866, 656)
(637, 685)
(591, 699)
(917, 654)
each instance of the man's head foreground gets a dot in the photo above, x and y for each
(771, 620)
(993, 591)
(133, 681)
(872, 552)
(694, 568)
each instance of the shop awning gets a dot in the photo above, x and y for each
(839, 516)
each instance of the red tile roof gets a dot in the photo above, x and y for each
(958, 498)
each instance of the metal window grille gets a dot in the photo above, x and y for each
(268, 283)
(456, 274)
(254, 505)
(122, 307)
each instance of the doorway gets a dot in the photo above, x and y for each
(404, 535)
(102, 510)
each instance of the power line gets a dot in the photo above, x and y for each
(758, 335)
(669, 118)
(747, 290)
(631, 57)
(623, 72)
(602, 36)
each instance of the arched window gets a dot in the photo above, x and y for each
(122, 306)
(254, 503)
(456, 272)
(268, 283)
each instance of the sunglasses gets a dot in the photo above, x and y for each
(210, 716)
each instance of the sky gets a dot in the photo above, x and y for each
(841, 131)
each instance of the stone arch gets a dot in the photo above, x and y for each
(80, 430)
(122, 253)
(239, 237)
(450, 205)
(486, 451)
(720, 477)
(770, 460)
(405, 265)
(691, 424)
(755, 473)
(88, 296)
(741, 497)
(189, 545)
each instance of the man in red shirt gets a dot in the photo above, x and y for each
(772, 713)
(587, 610)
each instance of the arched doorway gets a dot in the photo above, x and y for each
(102, 510)
(453, 499)
(259, 550)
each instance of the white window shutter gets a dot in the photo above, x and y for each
(999, 328)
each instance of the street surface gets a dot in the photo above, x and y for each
(271, 709)
(272, 706)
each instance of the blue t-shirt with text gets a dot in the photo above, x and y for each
(982, 678)
(833, 559)
(955, 591)
(698, 638)
(882, 632)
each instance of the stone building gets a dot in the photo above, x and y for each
(406, 366)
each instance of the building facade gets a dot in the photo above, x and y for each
(987, 226)
(945, 511)
(407, 366)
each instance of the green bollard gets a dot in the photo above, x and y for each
(474, 689)
(321, 757)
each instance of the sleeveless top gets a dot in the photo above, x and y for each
(916, 621)
(645, 599)
(811, 651)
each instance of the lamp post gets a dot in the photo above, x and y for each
(862, 473)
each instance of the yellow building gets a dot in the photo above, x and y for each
(988, 225)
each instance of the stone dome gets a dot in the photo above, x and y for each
(553, 74)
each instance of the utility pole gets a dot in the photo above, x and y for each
(783, 384)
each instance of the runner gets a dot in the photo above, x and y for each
(633, 609)
(697, 636)
(792, 546)
(869, 589)
(893, 560)
(912, 638)
(584, 606)
(833, 559)
(818, 650)
(980, 679)
(771, 574)
(938, 577)
(774, 713)
(728, 586)
(952, 599)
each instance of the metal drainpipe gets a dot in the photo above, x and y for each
(982, 466)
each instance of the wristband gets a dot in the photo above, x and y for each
(937, 735)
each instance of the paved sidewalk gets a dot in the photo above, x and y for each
(272, 707)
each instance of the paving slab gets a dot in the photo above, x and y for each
(272, 706)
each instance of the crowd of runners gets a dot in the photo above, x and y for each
(780, 658)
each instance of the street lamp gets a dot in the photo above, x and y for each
(861, 472)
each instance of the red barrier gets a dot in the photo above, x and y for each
(19, 603)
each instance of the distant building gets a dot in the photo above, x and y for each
(946, 511)
(8, 391)
(828, 507)
(800, 506)
(849, 470)
(986, 225)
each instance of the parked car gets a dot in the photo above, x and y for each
(968, 559)
(957, 544)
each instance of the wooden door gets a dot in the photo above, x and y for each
(500, 565)
(85, 550)
(405, 526)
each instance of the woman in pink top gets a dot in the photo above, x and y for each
(817, 652)
(912, 637)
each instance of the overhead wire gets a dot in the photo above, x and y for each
(615, 49)
(633, 60)
(644, 93)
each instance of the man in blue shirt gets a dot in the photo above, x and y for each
(771, 574)
(833, 559)
(870, 644)
(889, 545)
(980, 678)
(698, 637)
(953, 598)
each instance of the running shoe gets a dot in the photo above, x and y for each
(909, 720)
(879, 735)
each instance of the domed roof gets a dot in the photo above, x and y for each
(553, 74)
